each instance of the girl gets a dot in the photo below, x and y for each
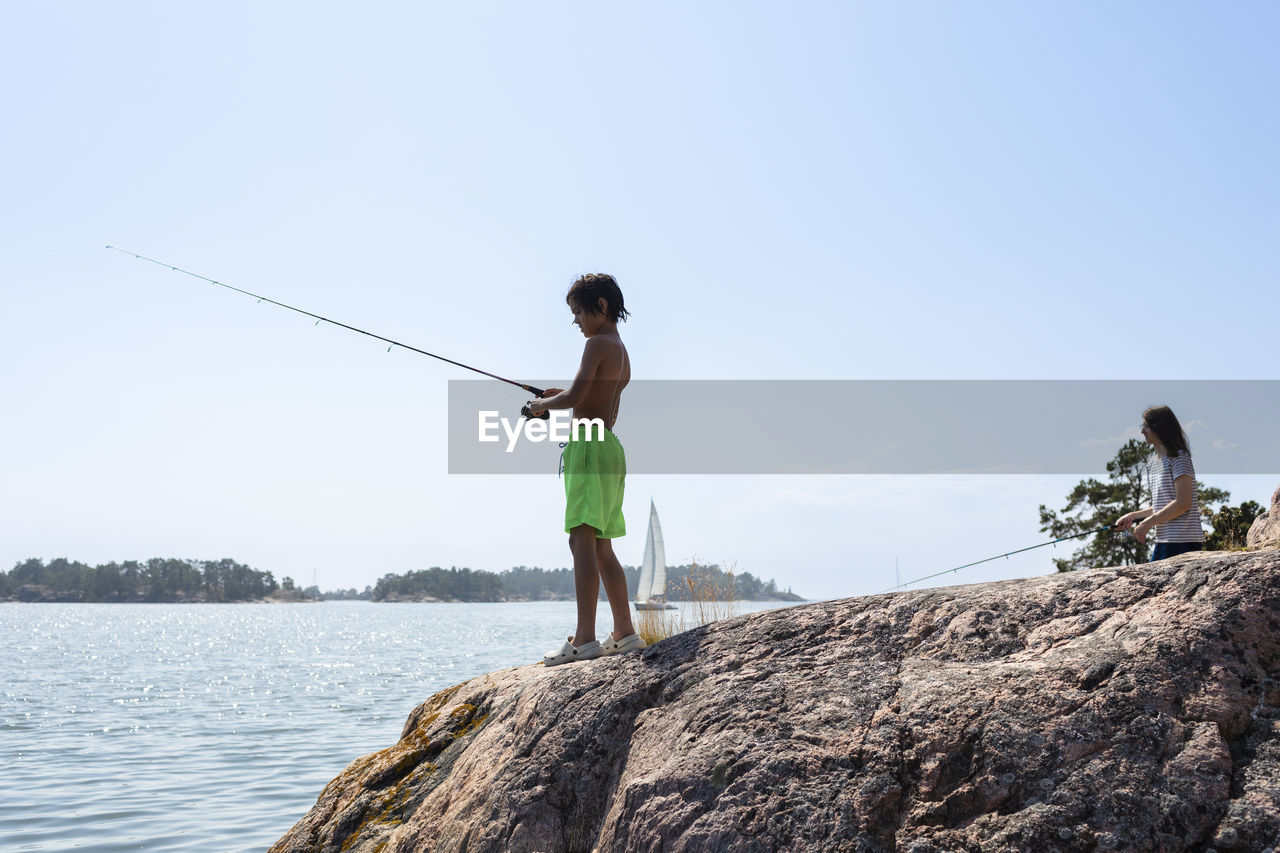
(1175, 510)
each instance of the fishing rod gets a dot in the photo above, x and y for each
(538, 392)
(998, 556)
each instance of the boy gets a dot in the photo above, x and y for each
(595, 470)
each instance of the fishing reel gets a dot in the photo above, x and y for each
(528, 413)
(527, 408)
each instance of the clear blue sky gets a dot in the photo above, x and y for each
(844, 190)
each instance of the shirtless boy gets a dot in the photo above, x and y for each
(595, 470)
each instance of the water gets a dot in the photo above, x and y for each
(214, 727)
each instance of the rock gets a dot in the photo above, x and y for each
(1265, 530)
(1129, 708)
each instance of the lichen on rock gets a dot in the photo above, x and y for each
(1128, 708)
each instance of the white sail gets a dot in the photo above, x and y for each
(653, 571)
(659, 588)
(646, 570)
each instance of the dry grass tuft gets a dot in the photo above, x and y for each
(655, 625)
(707, 603)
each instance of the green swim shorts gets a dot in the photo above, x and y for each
(595, 474)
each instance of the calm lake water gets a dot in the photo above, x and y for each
(214, 727)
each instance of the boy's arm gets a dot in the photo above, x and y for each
(592, 357)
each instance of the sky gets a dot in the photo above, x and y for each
(784, 191)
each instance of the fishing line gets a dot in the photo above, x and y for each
(536, 391)
(996, 557)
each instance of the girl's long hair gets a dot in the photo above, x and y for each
(1164, 423)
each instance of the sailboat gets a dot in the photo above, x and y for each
(651, 593)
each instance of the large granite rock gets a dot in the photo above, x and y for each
(1265, 530)
(1111, 709)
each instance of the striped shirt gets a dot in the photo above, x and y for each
(1161, 472)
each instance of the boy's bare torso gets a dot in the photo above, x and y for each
(605, 371)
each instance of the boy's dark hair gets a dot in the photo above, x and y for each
(593, 286)
(1162, 421)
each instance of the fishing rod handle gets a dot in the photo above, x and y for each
(527, 411)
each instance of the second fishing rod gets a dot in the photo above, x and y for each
(1006, 555)
(537, 392)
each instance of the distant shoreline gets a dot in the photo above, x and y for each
(36, 594)
(185, 581)
(50, 597)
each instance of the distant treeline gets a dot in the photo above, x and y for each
(351, 594)
(523, 583)
(170, 580)
(156, 579)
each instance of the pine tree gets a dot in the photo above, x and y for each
(1231, 526)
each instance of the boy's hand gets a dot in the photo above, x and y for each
(534, 409)
(1140, 532)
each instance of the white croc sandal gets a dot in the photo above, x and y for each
(568, 653)
(629, 643)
